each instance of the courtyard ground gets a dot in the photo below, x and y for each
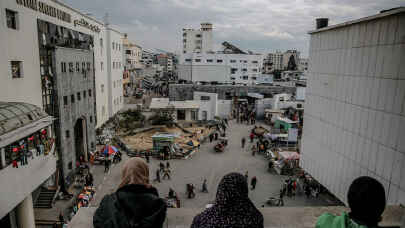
(211, 165)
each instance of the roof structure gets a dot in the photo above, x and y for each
(230, 48)
(15, 115)
(383, 13)
(165, 103)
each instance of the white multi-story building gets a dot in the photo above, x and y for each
(132, 54)
(198, 41)
(303, 64)
(354, 121)
(220, 67)
(115, 69)
(287, 55)
(275, 60)
(34, 34)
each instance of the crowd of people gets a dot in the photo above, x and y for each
(136, 203)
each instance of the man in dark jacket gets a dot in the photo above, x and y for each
(137, 206)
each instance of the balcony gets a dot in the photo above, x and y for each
(303, 217)
(20, 182)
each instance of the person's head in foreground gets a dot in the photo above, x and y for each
(232, 206)
(135, 204)
(366, 198)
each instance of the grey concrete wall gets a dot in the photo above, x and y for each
(185, 91)
(71, 83)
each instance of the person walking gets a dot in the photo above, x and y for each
(281, 201)
(232, 207)
(106, 165)
(157, 175)
(211, 137)
(167, 165)
(247, 175)
(251, 136)
(204, 186)
(136, 203)
(243, 142)
(166, 173)
(253, 182)
(162, 167)
(147, 156)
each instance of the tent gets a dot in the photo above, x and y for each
(108, 150)
(289, 155)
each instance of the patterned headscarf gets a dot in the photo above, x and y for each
(232, 208)
(135, 171)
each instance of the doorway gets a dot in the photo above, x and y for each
(80, 135)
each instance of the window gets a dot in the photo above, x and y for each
(65, 100)
(254, 61)
(77, 66)
(91, 119)
(16, 69)
(102, 88)
(83, 66)
(181, 114)
(102, 66)
(205, 98)
(72, 98)
(11, 17)
(89, 92)
(210, 60)
(244, 69)
(233, 70)
(197, 60)
(67, 134)
(113, 65)
(101, 42)
(245, 61)
(194, 115)
(232, 78)
(63, 67)
(128, 52)
(71, 68)
(198, 35)
(187, 60)
(254, 70)
(113, 45)
(78, 96)
(219, 60)
(245, 77)
(254, 78)
(233, 61)
(184, 40)
(84, 94)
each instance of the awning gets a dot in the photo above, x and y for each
(256, 95)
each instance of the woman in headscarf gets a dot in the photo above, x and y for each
(232, 206)
(135, 204)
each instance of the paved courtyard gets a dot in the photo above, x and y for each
(208, 164)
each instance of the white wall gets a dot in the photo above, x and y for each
(203, 70)
(115, 71)
(354, 121)
(209, 106)
(224, 108)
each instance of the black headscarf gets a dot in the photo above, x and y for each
(232, 207)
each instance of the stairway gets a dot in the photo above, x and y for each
(45, 198)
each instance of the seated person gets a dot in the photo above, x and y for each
(135, 204)
(366, 198)
(232, 207)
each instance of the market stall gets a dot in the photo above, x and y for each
(286, 162)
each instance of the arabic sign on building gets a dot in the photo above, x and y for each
(45, 9)
(86, 24)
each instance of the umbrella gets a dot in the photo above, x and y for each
(108, 150)
(192, 143)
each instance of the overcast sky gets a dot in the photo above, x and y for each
(258, 25)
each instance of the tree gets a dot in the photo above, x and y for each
(291, 63)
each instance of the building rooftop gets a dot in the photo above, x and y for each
(165, 103)
(14, 115)
(386, 13)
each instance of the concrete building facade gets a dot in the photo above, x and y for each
(354, 121)
(220, 67)
(287, 55)
(198, 41)
(132, 54)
